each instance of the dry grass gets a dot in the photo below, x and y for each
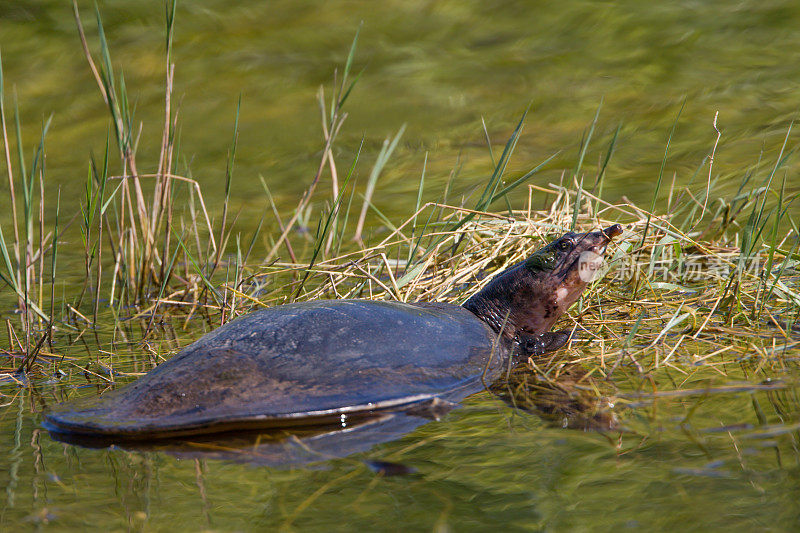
(629, 328)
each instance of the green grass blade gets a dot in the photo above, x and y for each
(661, 173)
(585, 145)
(323, 229)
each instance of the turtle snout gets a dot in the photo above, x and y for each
(605, 236)
(612, 231)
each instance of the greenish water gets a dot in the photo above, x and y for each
(437, 67)
(483, 466)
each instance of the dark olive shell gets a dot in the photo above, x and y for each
(298, 364)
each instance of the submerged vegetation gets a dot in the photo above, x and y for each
(702, 292)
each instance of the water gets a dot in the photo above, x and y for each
(437, 67)
(484, 465)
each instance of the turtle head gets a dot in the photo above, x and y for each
(533, 294)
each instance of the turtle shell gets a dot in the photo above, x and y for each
(298, 364)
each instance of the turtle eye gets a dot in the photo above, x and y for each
(564, 245)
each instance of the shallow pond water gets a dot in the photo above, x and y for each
(438, 67)
(703, 460)
(727, 460)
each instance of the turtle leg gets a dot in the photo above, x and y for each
(533, 344)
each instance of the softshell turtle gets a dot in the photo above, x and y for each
(332, 360)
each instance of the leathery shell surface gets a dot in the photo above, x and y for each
(302, 363)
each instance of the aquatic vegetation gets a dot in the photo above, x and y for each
(688, 276)
(700, 299)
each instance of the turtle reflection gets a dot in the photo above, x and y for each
(566, 396)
